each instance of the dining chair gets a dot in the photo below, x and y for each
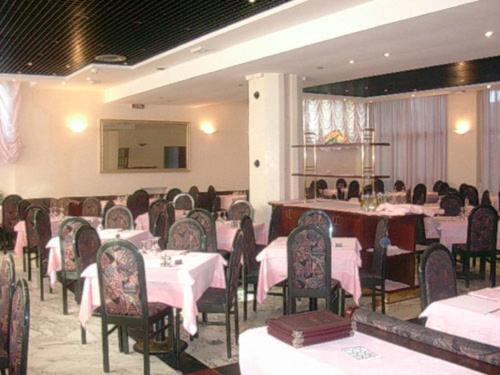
(138, 202)
(485, 198)
(399, 186)
(172, 193)
(194, 193)
(341, 184)
(155, 208)
(437, 276)
(183, 201)
(118, 217)
(17, 358)
(22, 208)
(43, 230)
(443, 189)
(419, 194)
(7, 287)
(379, 186)
(451, 205)
(436, 186)
(69, 276)
(91, 207)
(124, 299)
(207, 221)
(225, 301)
(239, 209)
(30, 251)
(462, 190)
(211, 198)
(472, 195)
(309, 259)
(170, 213)
(9, 220)
(186, 234)
(373, 278)
(106, 208)
(161, 229)
(482, 228)
(319, 218)
(353, 190)
(274, 224)
(87, 244)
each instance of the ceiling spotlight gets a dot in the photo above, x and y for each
(68, 66)
(110, 58)
(488, 34)
(251, 1)
(88, 79)
(94, 71)
(488, 86)
(30, 64)
(63, 83)
(351, 61)
(387, 54)
(412, 95)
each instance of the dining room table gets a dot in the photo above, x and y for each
(346, 261)
(226, 200)
(475, 316)
(54, 264)
(55, 220)
(179, 284)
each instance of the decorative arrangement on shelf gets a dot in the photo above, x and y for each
(369, 202)
(333, 137)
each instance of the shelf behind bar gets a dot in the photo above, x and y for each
(337, 175)
(358, 144)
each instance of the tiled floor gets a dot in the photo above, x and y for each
(55, 347)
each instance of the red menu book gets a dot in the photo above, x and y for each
(309, 328)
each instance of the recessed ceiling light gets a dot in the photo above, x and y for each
(88, 79)
(68, 66)
(488, 86)
(110, 58)
(30, 64)
(385, 90)
(346, 90)
(251, 1)
(387, 54)
(161, 68)
(63, 83)
(94, 71)
(488, 34)
(13, 80)
(32, 83)
(412, 95)
(351, 61)
(19, 72)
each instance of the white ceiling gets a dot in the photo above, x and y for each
(445, 36)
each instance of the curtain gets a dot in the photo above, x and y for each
(489, 139)
(416, 128)
(10, 144)
(322, 115)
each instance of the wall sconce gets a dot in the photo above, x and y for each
(462, 127)
(207, 127)
(77, 123)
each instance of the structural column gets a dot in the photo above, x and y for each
(275, 122)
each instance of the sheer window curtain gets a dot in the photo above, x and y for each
(416, 129)
(10, 144)
(488, 102)
(322, 115)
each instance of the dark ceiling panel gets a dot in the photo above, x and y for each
(58, 37)
(441, 76)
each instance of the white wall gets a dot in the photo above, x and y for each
(58, 162)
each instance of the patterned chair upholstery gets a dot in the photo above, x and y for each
(194, 192)
(172, 193)
(443, 189)
(451, 204)
(225, 301)
(207, 222)
(183, 201)
(309, 258)
(482, 228)
(211, 197)
(436, 186)
(472, 195)
(399, 186)
(9, 219)
(419, 194)
(374, 277)
(19, 329)
(138, 202)
(119, 217)
(353, 190)
(240, 209)
(30, 251)
(187, 234)
(63, 205)
(485, 198)
(157, 207)
(69, 276)
(341, 185)
(43, 232)
(122, 286)
(437, 344)
(437, 275)
(319, 218)
(91, 207)
(22, 208)
(161, 230)
(109, 204)
(274, 224)
(170, 213)
(7, 286)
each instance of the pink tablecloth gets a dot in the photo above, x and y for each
(454, 230)
(473, 316)
(54, 246)
(226, 232)
(228, 199)
(180, 286)
(20, 228)
(346, 260)
(262, 354)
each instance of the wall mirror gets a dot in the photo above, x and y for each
(144, 146)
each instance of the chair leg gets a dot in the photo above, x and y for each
(382, 295)
(493, 270)
(65, 298)
(41, 285)
(373, 299)
(466, 261)
(236, 323)
(228, 333)
(145, 345)
(83, 334)
(255, 297)
(105, 346)
(284, 299)
(245, 299)
(177, 337)
(125, 340)
(119, 331)
(24, 259)
(29, 266)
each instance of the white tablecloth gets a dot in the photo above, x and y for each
(262, 354)
(180, 286)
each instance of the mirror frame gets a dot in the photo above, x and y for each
(138, 122)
